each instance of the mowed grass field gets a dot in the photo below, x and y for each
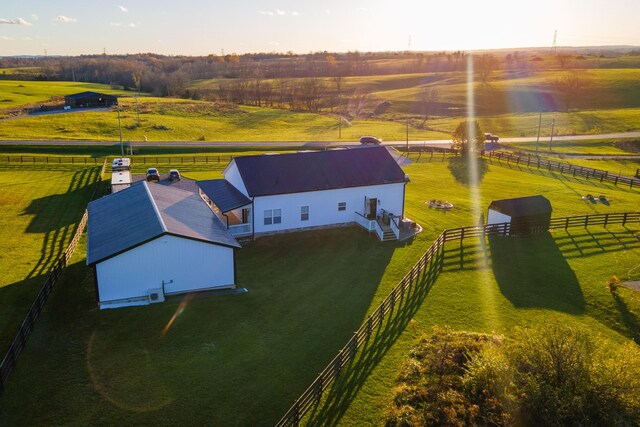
(243, 359)
(41, 206)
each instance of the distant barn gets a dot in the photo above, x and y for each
(90, 100)
(526, 215)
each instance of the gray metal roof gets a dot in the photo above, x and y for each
(223, 194)
(141, 213)
(266, 175)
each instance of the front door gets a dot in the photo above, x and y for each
(373, 208)
(245, 216)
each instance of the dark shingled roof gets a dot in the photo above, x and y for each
(223, 194)
(266, 175)
(141, 213)
(90, 94)
(522, 206)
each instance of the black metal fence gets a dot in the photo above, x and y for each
(431, 259)
(563, 168)
(9, 361)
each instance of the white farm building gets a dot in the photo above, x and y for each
(152, 240)
(282, 192)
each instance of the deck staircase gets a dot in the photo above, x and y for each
(387, 233)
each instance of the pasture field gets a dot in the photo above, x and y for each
(242, 359)
(504, 92)
(164, 120)
(41, 206)
(16, 93)
(508, 104)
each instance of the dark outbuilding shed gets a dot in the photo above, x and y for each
(527, 215)
(90, 100)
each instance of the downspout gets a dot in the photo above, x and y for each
(253, 220)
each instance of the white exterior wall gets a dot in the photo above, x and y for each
(232, 175)
(495, 217)
(323, 206)
(192, 265)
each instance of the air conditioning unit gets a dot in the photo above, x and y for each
(155, 295)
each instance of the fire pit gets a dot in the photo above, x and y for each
(440, 204)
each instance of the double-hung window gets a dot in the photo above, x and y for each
(304, 213)
(272, 216)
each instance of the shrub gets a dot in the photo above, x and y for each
(551, 375)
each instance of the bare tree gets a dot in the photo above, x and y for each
(427, 99)
(571, 88)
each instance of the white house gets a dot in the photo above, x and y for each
(281, 192)
(152, 240)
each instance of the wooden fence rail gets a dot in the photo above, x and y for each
(563, 168)
(9, 360)
(313, 394)
(145, 160)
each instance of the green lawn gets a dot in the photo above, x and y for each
(242, 359)
(41, 206)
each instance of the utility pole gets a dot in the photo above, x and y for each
(407, 137)
(539, 123)
(120, 130)
(553, 122)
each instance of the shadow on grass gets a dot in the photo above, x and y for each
(344, 389)
(16, 299)
(569, 177)
(628, 317)
(57, 216)
(308, 292)
(459, 168)
(532, 273)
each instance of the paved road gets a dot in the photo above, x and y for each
(275, 144)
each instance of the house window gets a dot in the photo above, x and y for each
(272, 216)
(342, 206)
(304, 213)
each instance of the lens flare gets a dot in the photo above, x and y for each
(486, 287)
(179, 311)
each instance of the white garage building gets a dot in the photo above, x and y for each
(282, 192)
(151, 240)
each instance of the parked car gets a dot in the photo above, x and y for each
(153, 175)
(491, 137)
(370, 140)
(174, 175)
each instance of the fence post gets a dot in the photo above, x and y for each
(624, 219)
(606, 220)
(616, 181)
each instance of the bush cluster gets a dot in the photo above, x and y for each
(556, 375)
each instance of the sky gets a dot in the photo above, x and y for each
(203, 27)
